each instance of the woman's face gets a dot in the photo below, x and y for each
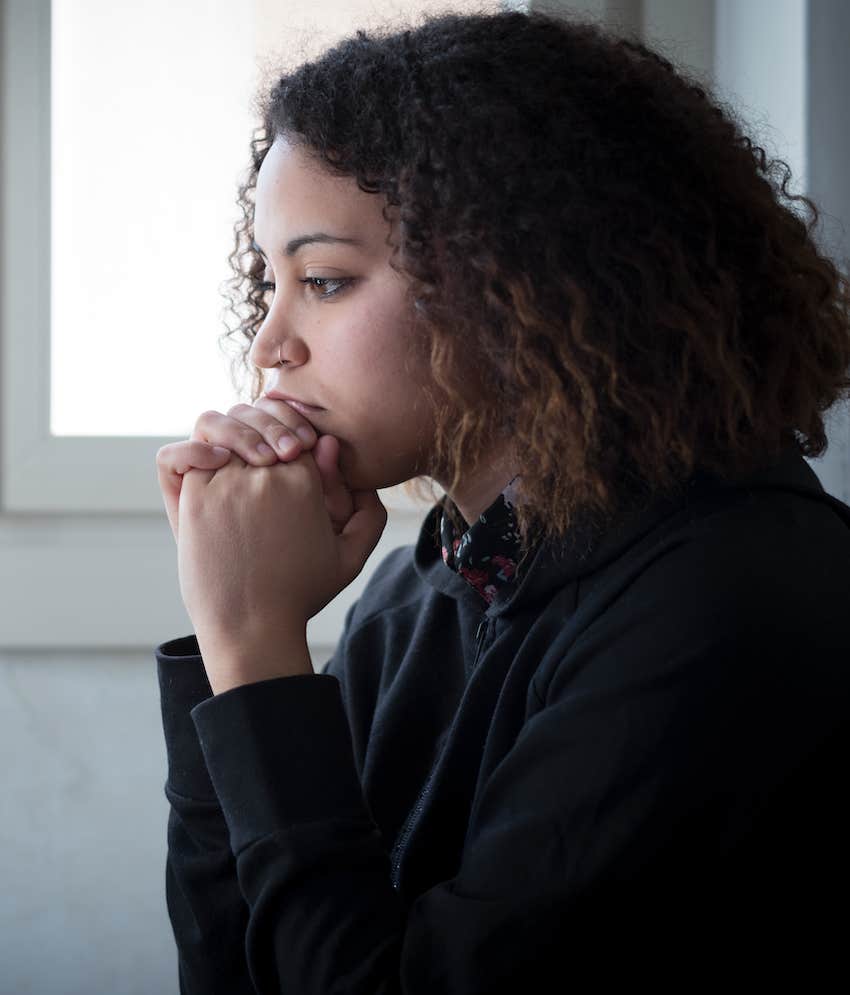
(345, 335)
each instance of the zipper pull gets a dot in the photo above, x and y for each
(480, 632)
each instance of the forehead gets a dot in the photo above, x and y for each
(294, 193)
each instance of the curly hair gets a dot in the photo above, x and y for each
(602, 274)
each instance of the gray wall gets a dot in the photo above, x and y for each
(828, 141)
(82, 826)
(83, 817)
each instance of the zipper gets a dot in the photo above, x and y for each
(480, 635)
(407, 829)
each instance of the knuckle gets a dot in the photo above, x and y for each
(206, 417)
(241, 407)
(167, 454)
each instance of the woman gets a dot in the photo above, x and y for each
(589, 721)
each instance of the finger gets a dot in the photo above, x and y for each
(362, 531)
(298, 425)
(175, 459)
(292, 418)
(255, 435)
(275, 431)
(338, 501)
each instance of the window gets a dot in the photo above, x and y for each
(127, 133)
(103, 360)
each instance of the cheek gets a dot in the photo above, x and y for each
(386, 444)
(372, 466)
(381, 344)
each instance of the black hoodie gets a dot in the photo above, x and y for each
(629, 766)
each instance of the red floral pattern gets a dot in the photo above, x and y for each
(486, 554)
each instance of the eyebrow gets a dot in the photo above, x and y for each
(294, 244)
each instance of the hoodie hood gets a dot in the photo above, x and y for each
(553, 564)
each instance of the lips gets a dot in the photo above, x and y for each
(305, 409)
(296, 402)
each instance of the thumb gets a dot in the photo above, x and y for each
(362, 531)
(338, 500)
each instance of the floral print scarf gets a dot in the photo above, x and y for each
(486, 554)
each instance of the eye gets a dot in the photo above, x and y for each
(315, 283)
(319, 282)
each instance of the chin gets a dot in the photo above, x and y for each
(362, 476)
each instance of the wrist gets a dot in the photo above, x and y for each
(230, 663)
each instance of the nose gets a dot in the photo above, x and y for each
(271, 347)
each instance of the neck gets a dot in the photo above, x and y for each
(475, 495)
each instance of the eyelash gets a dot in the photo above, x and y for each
(343, 283)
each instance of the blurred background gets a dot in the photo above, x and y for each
(125, 131)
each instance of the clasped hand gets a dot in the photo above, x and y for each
(262, 544)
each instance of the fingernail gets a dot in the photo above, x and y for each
(264, 450)
(304, 434)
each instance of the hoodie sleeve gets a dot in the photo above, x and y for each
(208, 913)
(324, 916)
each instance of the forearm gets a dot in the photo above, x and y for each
(208, 914)
(205, 905)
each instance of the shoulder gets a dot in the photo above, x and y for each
(767, 560)
(756, 590)
(722, 642)
(760, 555)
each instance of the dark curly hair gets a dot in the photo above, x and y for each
(601, 270)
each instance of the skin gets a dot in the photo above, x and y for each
(347, 352)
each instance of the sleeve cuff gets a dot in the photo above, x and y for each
(279, 752)
(183, 684)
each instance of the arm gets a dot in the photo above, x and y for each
(205, 905)
(613, 836)
(598, 829)
(208, 913)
